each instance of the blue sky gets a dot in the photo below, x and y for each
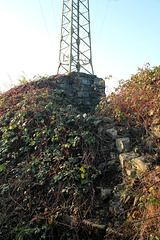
(125, 35)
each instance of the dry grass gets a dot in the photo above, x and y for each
(147, 218)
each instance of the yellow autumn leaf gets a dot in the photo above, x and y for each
(82, 175)
(150, 189)
(82, 169)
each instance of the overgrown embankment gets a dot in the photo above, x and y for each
(60, 172)
(137, 101)
(49, 153)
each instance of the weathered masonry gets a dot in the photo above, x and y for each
(86, 90)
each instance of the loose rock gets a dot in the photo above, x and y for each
(123, 144)
(140, 163)
(112, 133)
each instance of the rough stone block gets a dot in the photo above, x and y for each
(131, 173)
(87, 101)
(140, 164)
(62, 85)
(127, 157)
(94, 101)
(83, 94)
(79, 101)
(100, 130)
(112, 133)
(97, 122)
(97, 81)
(85, 81)
(108, 120)
(80, 86)
(113, 155)
(105, 193)
(123, 144)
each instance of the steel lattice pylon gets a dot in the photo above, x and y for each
(75, 53)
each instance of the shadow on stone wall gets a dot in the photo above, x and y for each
(85, 90)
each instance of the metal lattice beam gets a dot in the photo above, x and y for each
(75, 53)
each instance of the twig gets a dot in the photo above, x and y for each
(16, 202)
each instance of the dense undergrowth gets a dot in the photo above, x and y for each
(47, 162)
(49, 153)
(138, 101)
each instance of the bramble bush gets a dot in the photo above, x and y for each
(143, 221)
(149, 205)
(47, 161)
(136, 99)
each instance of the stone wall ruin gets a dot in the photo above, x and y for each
(85, 90)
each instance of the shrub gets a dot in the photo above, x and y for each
(47, 161)
(146, 214)
(136, 99)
